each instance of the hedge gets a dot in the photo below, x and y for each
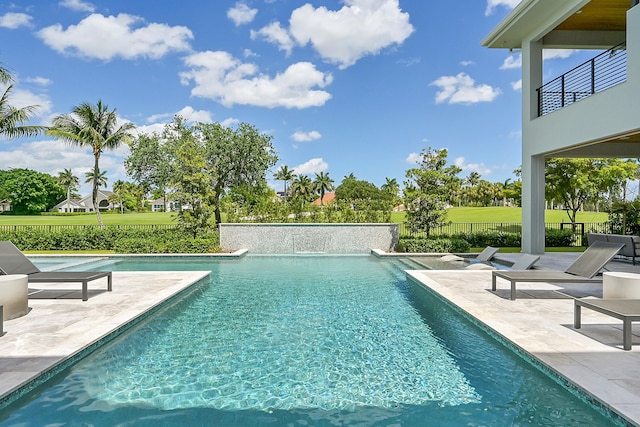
(120, 240)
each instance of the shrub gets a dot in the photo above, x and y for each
(118, 239)
(558, 238)
(435, 245)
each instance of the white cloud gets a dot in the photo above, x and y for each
(461, 89)
(40, 81)
(229, 122)
(51, 156)
(359, 28)
(108, 37)
(557, 53)
(413, 158)
(248, 53)
(274, 33)
(78, 5)
(13, 20)
(311, 167)
(223, 78)
(517, 85)
(187, 113)
(306, 136)
(467, 63)
(241, 14)
(472, 167)
(21, 98)
(512, 62)
(492, 4)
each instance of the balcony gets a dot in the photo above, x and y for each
(602, 72)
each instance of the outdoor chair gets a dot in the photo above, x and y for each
(484, 256)
(582, 270)
(525, 262)
(13, 261)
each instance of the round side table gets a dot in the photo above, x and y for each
(620, 285)
(14, 295)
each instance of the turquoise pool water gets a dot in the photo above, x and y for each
(313, 341)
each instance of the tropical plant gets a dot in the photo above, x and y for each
(302, 186)
(285, 175)
(12, 118)
(427, 190)
(96, 127)
(69, 181)
(321, 184)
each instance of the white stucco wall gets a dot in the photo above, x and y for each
(309, 238)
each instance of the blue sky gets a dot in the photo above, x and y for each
(351, 86)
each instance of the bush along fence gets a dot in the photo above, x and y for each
(459, 237)
(131, 239)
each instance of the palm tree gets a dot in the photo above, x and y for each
(69, 181)
(92, 126)
(100, 178)
(11, 118)
(302, 186)
(284, 174)
(321, 184)
(119, 188)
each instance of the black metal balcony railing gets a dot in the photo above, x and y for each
(602, 72)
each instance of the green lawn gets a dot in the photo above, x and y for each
(89, 219)
(507, 214)
(491, 214)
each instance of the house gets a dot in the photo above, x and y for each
(158, 205)
(5, 205)
(590, 111)
(327, 199)
(85, 204)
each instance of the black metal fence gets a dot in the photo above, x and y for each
(602, 72)
(579, 229)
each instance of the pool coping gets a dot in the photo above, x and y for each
(540, 328)
(58, 332)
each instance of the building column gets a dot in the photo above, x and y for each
(533, 163)
(533, 230)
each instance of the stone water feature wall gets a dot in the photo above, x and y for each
(309, 238)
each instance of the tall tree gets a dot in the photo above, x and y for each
(576, 181)
(322, 183)
(148, 163)
(69, 181)
(191, 178)
(302, 186)
(30, 192)
(95, 127)
(285, 175)
(426, 192)
(12, 118)
(235, 158)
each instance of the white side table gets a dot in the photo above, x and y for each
(620, 285)
(14, 295)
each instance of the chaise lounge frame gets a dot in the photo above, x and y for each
(13, 261)
(582, 270)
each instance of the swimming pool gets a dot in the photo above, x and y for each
(302, 340)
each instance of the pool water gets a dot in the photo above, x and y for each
(302, 340)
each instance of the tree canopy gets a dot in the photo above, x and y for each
(30, 192)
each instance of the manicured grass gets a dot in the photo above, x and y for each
(458, 215)
(506, 214)
(159, 218)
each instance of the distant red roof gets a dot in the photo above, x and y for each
(327, 199)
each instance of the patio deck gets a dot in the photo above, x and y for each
(540, 322)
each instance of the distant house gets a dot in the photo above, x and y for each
(327, 199)
(5, 205)
(85, 204)
(158, 205)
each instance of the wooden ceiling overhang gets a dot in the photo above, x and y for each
(567, 24)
